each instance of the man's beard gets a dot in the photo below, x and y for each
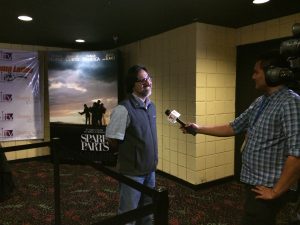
(146, 92)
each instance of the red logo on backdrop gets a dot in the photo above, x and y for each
(8, 116)
(8, 133)
(6, 56)
(7, 97)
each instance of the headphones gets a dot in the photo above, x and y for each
(271, 75)
(275, 76)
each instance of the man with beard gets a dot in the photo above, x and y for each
(132, 132)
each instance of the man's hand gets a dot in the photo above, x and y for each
(190, 128)
(290, 174)
(265, 193)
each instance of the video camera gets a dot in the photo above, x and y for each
(290, 50)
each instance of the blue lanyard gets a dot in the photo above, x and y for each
(262, 105)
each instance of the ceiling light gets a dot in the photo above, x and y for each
(80, 40)
(25, 18)
(260, 1)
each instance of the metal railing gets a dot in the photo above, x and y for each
(160, 201)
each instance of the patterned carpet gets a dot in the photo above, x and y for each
(87, 196)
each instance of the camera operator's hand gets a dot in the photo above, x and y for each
(190, 128)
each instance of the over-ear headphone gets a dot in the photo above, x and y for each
(275, 76)
(276, 68)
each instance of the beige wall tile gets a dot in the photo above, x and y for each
(210, 174)
(166, 154)
(195, 163)
(228, 170)
(182, 171)
(173, 144)
(174, 157)
(210, 94)
(182, 159)
(200, 149)
(200, 108)
(206, 66)
(210, 161)
(220, 172)
(174, 169)
(201, 94)
(166, 166)
(160, 164)
(201, 80)
(182, 147)
(196, 177)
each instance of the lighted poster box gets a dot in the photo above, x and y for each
(83, 89)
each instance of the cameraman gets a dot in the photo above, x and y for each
(271, 156)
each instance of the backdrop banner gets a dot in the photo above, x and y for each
(21, 103)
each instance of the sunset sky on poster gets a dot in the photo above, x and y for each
(78, 78)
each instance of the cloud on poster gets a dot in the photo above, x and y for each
(90, 65)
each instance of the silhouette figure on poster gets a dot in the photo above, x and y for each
(96, 111)
(95, 114)
(86, 111)
(99, 111)
(102, 112)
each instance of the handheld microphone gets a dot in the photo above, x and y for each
(173, 117)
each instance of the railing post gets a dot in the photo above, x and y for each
(161, 201)
(55, 158)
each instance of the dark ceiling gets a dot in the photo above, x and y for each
(59, 22)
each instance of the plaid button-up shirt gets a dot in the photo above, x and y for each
(272, 124)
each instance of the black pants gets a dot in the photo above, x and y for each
(261, 212)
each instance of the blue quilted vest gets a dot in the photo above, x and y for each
(138, 151)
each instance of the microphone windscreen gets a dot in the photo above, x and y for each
(168, 112)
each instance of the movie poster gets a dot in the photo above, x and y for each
(83, 89)
(21, 103)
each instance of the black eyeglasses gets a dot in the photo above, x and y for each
(144, 80)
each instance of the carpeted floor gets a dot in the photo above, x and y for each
(87, 196)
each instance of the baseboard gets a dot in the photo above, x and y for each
(196, 186)
(36, 158)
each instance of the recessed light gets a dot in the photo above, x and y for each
(80, 40)
(25, 18)
(260, 1)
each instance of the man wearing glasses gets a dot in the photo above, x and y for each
(132, 132)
